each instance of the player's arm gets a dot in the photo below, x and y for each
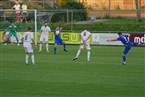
(8, 28)
(60, 29)
(32, 39)
(111, 40)
(13, 7)
(16, 29)
(88, 38)
(83, 40)
(33, 42)
(22, 39)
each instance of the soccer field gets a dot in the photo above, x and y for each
(59, 76)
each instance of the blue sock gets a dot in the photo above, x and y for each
(124, 58)
(64, 46)
(54, 50)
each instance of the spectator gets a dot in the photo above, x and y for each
(17, 8)
(24, 12)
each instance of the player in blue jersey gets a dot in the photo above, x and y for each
(125, 40)
(58, 39)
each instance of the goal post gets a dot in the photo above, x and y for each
(35, 33)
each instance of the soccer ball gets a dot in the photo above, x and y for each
(57, 32)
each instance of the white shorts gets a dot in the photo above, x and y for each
(87, 46)
(45, 38)
(28, 47)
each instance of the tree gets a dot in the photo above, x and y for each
(61, 2)
(71, 5)
(76, 6)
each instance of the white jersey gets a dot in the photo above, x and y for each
(24, 8)
(45, 30)
(28, 36)
(17, 8)
(84, 35)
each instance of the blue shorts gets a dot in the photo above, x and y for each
(128, 47)
(57, 41)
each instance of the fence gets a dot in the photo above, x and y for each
(67, 17)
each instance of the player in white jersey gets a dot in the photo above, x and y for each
(85, 41)
(44, 36)
(27, 39)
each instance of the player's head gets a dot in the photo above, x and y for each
(45, 23)
(12, 23)
(29, 29)
(16, 2)
(57, 28)
(119, 33)
(24, 3)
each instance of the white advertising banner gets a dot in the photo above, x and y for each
(101, 39)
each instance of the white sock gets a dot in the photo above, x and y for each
(46, 46)
(78, 53)
(27, 57)
(40, 46)
(88, 55)
(32, 58)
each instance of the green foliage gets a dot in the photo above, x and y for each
(79, 16)
(62, 2)
(4, 25)
(129, 25)
(76, 6)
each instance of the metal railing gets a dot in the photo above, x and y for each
(71, 17)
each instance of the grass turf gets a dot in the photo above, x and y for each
(59, 76)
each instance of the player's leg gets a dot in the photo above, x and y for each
(78, 52)
(138, 44)
(88, 51)
(47, 45)
(7, 39)
(64, 45)
(15, 35)
(30, 50)
(27, 55)
(55, 47)
(124, 58)
(126, 50)
(46, 40)
(32, 58)
(40, 44)
(135, 44)
(27, 58)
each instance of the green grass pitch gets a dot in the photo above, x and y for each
(59, 76)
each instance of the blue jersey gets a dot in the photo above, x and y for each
(124, 39)
(57, 36)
